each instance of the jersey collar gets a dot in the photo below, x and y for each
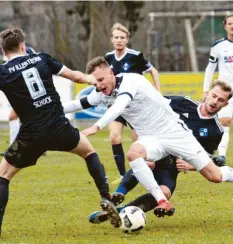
(118, 59)
(16, 56)
(228, 39)
(201, 116)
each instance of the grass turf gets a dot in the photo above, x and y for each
(50, 204)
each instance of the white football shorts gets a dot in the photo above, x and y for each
(177, 141)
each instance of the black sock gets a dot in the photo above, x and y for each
(145, 202)
(128, 182)
(97, 171)
(4, 193)
(119, 157)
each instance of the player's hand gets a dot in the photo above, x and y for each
(91, 130)
(91, 80)
(182, 165)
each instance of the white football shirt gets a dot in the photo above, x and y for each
(221, 55)
(139, 103)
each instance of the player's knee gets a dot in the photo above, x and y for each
(132, 155)
(115, 138)
(7, 171)
(136, 151)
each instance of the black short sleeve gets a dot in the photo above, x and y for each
(54, 66)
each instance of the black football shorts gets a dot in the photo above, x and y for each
(123, 121)
(25, 150)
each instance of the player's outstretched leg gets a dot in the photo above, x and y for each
(164, 208)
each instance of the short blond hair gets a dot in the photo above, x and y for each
(94, 63)
(11, 38)
(224, 86)
(120, 27)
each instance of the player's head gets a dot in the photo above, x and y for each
(217, 97)
(12, 41)
(105, 78)
(228, 24)
(120, 36)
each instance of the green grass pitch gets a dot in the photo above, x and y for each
(50, 204)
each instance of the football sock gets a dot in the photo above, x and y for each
(97, 171)
(4, 193)
(145, 176)
(223, 145)
(119, 158)
(14, 129)
(128, 182)
(227, 173)
(146, 202)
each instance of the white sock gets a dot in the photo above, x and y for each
(14, 129)
(227, 173)
(223, 145)
(145, 176)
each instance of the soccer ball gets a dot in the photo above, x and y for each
(133, 219)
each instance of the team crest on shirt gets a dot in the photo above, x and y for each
(228, 59)
(125, 66)
(203, 132)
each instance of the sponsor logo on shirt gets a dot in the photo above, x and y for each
(228, 59)
(203, 132)
(42, 102)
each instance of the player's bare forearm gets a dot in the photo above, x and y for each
(155, 76)
(78, 76)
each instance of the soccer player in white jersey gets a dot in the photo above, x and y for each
(221, 55)
(125, 60)
(159, 129)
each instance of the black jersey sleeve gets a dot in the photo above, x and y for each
(107, 58)
(143, 64)
(54, 66)
(182, 104)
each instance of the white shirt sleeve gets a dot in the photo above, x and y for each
(114, 111)
(72, 106)
(210, 69)
(94, 99)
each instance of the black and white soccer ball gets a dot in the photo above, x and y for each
(133, 219)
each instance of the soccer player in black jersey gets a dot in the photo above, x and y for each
(14, 123)
(27, 82)
(208, 131)
(125, 60)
